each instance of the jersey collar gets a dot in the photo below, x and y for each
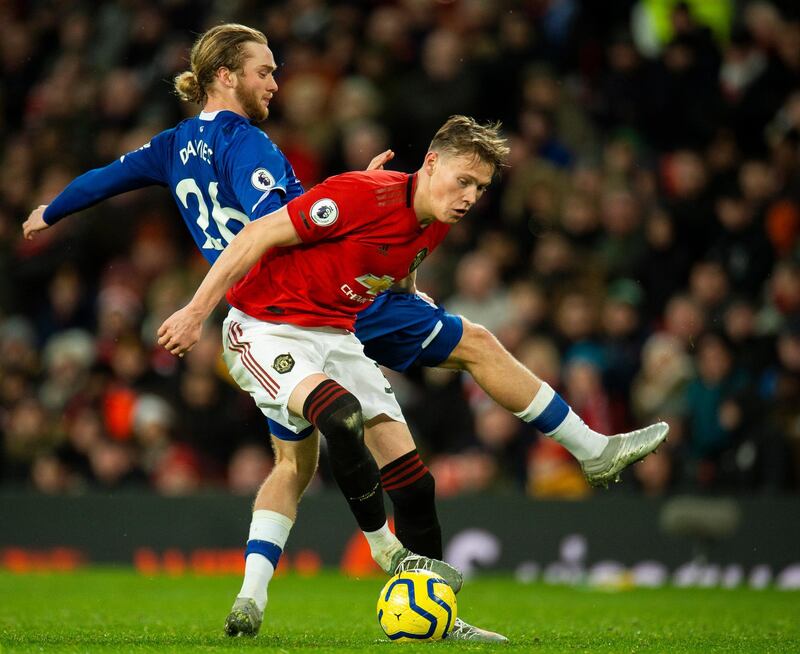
(411, 185)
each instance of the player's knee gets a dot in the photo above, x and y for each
(476, 344)
(335, 411)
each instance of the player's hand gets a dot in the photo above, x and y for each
(380, 160)
(35, 222)
(180, 332)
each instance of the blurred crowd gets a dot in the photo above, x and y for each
(640, 253)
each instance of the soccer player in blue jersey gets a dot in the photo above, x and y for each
(224, 172)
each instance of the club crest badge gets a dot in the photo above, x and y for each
(418, 260)
(324, 212)
(283, 363)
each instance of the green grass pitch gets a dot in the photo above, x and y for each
(117, 610)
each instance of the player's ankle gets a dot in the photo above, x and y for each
(383, 546)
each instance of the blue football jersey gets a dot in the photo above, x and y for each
(222, 171)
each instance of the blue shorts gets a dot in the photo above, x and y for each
(398, 330)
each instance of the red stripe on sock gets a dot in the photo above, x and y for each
(319, 406)
(392, 475)
(407, 482)
(401, 481)
(320, 395)
(321, 392)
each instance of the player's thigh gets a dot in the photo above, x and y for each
(349, 366)
(475, 344)
(387, 439)
(278, 365)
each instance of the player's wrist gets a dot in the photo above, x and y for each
(199, 309)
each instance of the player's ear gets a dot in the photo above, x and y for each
(226, 77)
(429, 165)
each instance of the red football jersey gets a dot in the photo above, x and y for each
(360, 234)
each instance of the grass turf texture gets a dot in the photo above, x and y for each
(116, 610)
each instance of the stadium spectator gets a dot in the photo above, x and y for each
(479, 296)
(248, 467)
(623, 335)
(709, 434)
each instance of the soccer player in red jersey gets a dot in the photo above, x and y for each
(295, 280)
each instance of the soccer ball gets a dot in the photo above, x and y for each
(416, 605)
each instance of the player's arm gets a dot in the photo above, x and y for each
(179, 333)
(132, 171)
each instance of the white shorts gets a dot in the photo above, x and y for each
(268, 360)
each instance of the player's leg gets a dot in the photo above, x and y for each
(281, 367)
(517, 389)
(274, 512)
(252, 351)
(394, 330)
(294, 468)
(398, 330)
(401, 329)
(336, 412)
(409, 485)
(411, 488)
(349, 366)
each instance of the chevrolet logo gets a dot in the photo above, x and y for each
(375, 284)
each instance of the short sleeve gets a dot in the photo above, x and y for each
(336, 207)
(256, 171)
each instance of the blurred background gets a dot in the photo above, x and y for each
(640, 254)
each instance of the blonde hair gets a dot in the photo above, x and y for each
(220, 47)
(462, 135)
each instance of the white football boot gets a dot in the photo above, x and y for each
(244, 619)
(621, 451)
(464, 631)
(405, 560)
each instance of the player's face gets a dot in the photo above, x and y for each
(457, 182)
(256, 82)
